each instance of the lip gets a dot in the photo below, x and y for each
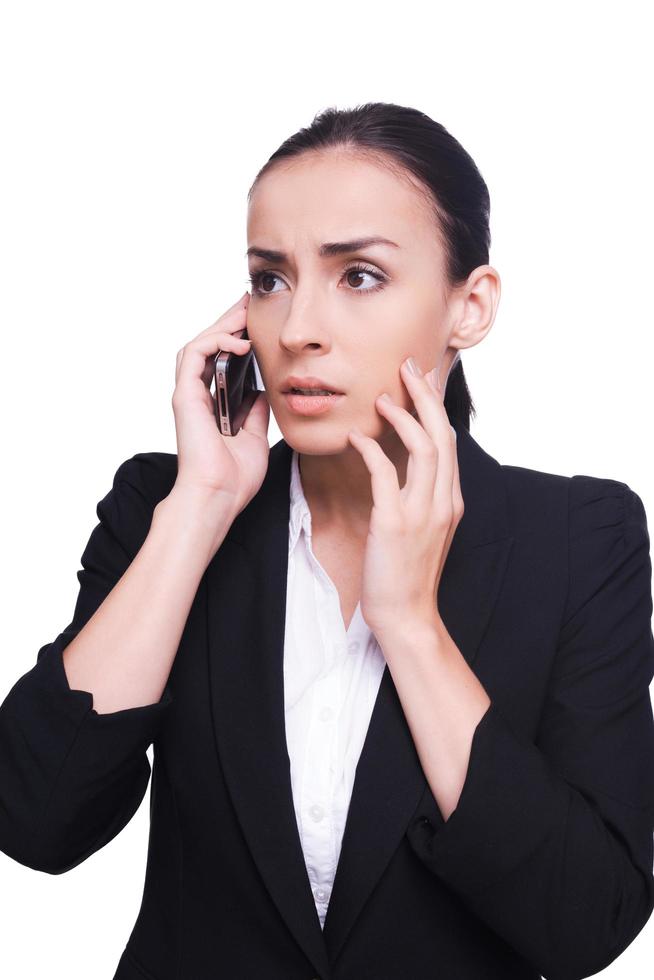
(311, 404)
(293, 381)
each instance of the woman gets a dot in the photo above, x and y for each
(398, 692)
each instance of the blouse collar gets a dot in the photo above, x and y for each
(299, 513)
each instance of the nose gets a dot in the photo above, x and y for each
(307, 320)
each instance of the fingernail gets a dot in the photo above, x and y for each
(385, 397)
(432, 379)
(413, 367)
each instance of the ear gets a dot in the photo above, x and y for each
(473, 307)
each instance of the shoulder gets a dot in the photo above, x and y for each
(588, 501)
(594, 518)
(139, 483)
(537, 504)
(152, 475)
(600, 524)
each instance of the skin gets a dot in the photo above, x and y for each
(316, 318)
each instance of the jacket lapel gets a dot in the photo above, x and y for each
(246, 584)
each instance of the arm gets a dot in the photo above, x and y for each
(550, 842)
(443, 701)
(125, 651)
(72, 776)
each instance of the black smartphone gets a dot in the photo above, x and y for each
(236, 387)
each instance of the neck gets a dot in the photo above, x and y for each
(338, 487)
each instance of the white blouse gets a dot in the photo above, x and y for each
(331, 680)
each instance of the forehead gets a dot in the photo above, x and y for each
(331, 197)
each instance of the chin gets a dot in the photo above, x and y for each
(324, 443)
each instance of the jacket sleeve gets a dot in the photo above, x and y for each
(551, 843)
(70, 778)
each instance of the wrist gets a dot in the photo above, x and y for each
(412, 629)
(197, 511)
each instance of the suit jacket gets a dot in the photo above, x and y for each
(545, 865)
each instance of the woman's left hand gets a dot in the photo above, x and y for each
(410, 528)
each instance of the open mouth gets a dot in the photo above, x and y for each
(311, 391)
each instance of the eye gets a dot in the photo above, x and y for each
(257, 279)
(363, 270)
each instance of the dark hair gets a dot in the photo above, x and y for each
(415, 146)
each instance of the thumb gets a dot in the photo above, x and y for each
(258, 417)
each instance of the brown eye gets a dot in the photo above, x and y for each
(257, 279)
(361, 270)
(356, 273)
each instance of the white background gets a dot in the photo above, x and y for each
(131, 133)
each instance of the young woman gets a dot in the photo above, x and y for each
(398, 691)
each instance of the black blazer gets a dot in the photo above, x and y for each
(544, 867)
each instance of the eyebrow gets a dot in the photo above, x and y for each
(326, 250)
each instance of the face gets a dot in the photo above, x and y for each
(348, 318)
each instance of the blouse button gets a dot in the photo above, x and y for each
(316, 812)
(320, 894)
(354, 646)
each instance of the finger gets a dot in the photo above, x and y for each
(191, 363)
(383, 475)
(428, 400)
(232, 321)
(443, 491)
(231, 325)
(258, 418)
(422, 463)
(457, 507)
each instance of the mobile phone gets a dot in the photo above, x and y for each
(236, 387)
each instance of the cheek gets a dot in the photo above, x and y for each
(265, 358)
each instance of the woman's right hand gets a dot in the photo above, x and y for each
(233, 465)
